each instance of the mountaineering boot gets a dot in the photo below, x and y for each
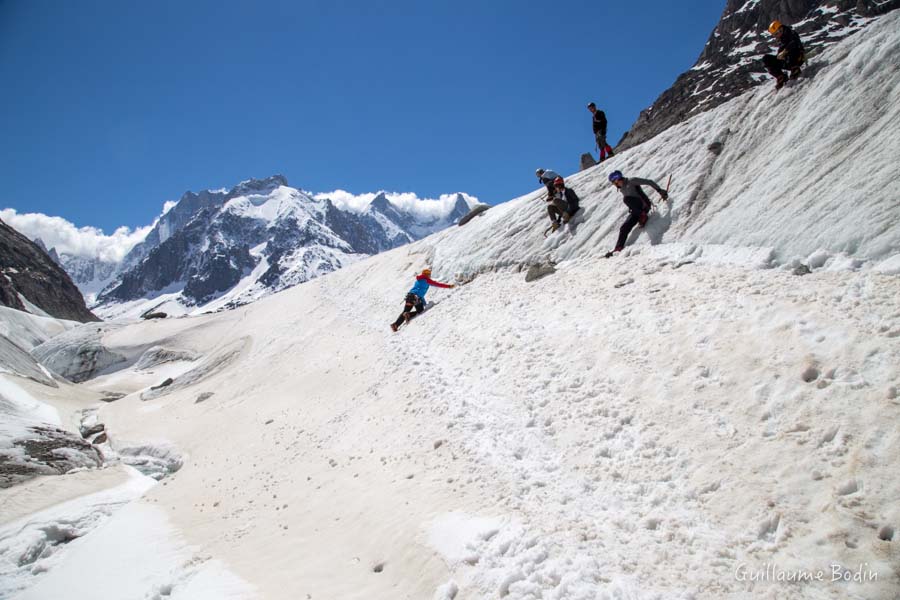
(780, 81)
(795, 72)
(566, 217)
(555, 226)
(394, 327)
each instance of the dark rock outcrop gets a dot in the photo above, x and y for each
(89, 430)
(28, 270)
(587, 161)
(477, 210)
(46, 450)
(169, 381)
(731, 63)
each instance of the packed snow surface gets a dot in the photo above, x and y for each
(132, 552)
(710, 415)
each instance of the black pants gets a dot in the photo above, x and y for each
(636, 207)
(776, 66)
(412, 302)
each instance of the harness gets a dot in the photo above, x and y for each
(412, 300)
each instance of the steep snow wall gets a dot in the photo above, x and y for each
(812, 167)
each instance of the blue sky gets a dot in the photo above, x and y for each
(111, 108)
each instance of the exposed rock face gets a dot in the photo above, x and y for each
(90, 274)
(731, 60)
(477, 210)
(27, 270)
(587, 161)
(46, 450)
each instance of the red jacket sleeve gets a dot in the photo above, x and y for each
(430, 281)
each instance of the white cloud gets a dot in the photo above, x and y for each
(408, 202)
(88, 242)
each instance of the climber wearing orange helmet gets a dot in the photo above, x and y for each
(790, 54)
(416, 298)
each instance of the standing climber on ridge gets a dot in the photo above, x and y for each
(636, 200)
(790, 54)
(599, 124)
(416, 297)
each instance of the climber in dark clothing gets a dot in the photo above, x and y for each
(562, 204)
(790, 54)
(636, 200)
(599, 124)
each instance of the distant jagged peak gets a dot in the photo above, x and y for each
(423, 210)
(52, 253)
(382, 205)
(462, 204)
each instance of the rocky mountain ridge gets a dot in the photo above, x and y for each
(28, 275)
(730, 62)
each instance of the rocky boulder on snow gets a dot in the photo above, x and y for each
(45, 450)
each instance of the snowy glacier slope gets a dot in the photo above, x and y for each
(29, 330)
(680, 422)
(600, 432)
(812, 167)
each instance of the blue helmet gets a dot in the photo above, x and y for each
(615, 176)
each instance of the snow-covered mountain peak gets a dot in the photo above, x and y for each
(252, 187)
(226, 248)
(271, 204)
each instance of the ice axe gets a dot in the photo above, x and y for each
(668, 183)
